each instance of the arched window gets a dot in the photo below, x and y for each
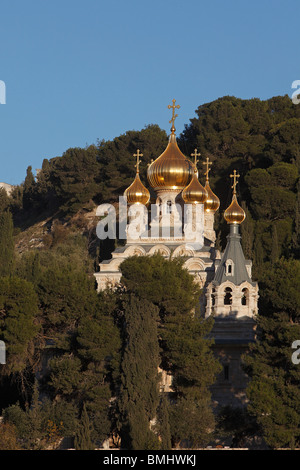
(169, 207)
(213, 300)
(245, 296)
(228, 296)
(229, 267)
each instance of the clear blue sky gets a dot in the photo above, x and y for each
(77, 71)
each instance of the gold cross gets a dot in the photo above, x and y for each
(174, 116)
(235, 176)
(207, 163)
(195, 154)
(138, 155)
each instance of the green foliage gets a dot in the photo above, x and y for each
(83, 440)
(74, 177)
(85, 332)
(274, 387)
(28, 189)
(139, 394)
(7, 246)
(117, 161)
(185, 349)
(18, 326)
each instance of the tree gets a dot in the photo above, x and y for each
(18, 325)
(8, 439)
(74, 178)
(83, 440)
(275, 247)
(183, 337)
(139, 393)
(274, 387)
(7, 245)
(117, 163)
(247, 233)
(28, 189)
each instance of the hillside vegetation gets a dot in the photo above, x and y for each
(49, 307)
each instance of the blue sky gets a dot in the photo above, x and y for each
(77, 71)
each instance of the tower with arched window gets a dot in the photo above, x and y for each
(232, 299)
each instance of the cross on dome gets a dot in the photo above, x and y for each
(207, 163)
(138, 155)
(235, 177)
(174, 116)
(195, 155)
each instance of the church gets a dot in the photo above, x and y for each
(181, 223)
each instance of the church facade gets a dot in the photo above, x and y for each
(181, 223)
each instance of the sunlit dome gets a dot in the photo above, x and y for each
(234, 214)
(172, 169)
(137, 193)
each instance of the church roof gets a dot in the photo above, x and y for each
(234, 255)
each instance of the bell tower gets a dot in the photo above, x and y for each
(232, 299)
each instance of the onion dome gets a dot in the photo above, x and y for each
(234, 214)
(172, 169)
(194, 193)
(212, 202)
(137, 193)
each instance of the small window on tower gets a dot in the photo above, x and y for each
(229, 267)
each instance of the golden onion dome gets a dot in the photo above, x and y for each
(234, 214)
(171, 170)
(137, 193)
(194, 193)
(212, 202)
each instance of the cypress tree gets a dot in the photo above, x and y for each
(247, 233)
(83, 439)
(28, 190)
(183, 338)
(7, 246)
(139, 375)
(164, 429)
(275, 246)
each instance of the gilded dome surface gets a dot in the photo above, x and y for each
(194, 193)
(172, 169)
(234, 214)
(212, 202)
(137, 193)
